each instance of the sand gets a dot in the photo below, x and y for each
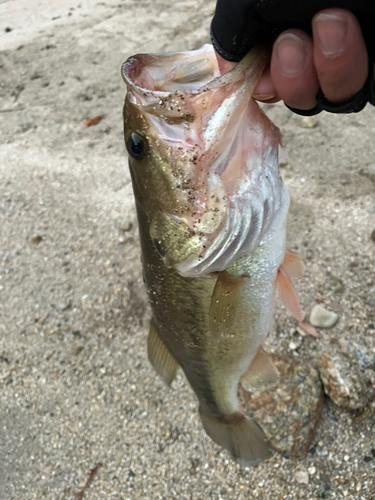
(76, 388)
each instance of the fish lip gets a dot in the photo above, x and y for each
(132, 67)
(131, 70)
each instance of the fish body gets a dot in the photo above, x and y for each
(212, 211)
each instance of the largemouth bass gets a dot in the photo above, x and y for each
(212, 210)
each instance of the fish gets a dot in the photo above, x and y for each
(212, 210)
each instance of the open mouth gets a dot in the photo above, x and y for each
(212, 122)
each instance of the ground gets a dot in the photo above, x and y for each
(76, 388)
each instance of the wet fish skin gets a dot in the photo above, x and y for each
(212, 245)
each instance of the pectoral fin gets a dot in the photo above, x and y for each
(306, 327)
(293, 264)
(288, 294)
(224, 301)
(261, 374)
(161, 359)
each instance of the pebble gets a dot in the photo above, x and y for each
(293, 346)
(36, 239)
(288, 413)
(338, 285)
(309, 122)
(322, 318)
(126, 226)
(343, 381)
(364, 356)
(311, 470)
(300, 332)
(302, 477)
(64, 306)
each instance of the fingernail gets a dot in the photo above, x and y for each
(263, 97)
(291, 53)
(331, 30)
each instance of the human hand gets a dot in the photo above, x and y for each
(334, 59)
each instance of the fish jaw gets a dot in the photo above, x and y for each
(212, 153)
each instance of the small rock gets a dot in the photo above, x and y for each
(344, 344)
(288, 413)
(372, 237)
(322, 318)
(364, 358)
(36, 239)
(293, 346)
(64, 306)
(283, 158)
(302, 477)
(309, 122)
(126, 226)
(343, 381)
(36, 75)
(338, 285)
(300, 331)
(83, 97)
(311, 470)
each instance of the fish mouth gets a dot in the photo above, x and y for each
(157, 75)
(228, 147)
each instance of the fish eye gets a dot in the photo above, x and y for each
(137, 146)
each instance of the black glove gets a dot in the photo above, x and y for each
(239, 25)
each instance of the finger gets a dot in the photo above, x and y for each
(292, 69)
(265, 90)
(340, 54)
(224, 65)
